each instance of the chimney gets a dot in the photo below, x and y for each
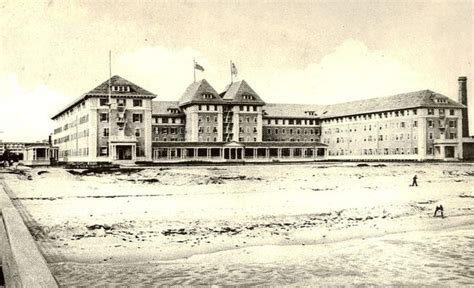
(462, 98)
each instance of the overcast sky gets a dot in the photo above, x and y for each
(317, 52)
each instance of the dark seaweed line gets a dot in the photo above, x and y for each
(91, 196)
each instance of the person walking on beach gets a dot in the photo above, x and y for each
(414, 181)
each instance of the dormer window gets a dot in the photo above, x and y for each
(173, 110)
(122, 88)
(207, 96)
(247, 97)
(310, 113)
(440, 100)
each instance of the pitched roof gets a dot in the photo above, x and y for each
(135, 90)
(291, 110)
(423, 98)
(196, 91)
(236, 92)
(163, 107)
(103, 90)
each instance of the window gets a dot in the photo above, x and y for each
(430, 111)
(165, 120)
(452, 123)
(104, 101)
(402, 124)
(121, 88)
(137, 118)
(452, 135)
(208, 119)
(137, 103)
(430, 135)
(121, 102)
(214, 130)
(104, 151)
(105, 132)
(137, 132)
(451, 112)
(430, 123)
(215, 118)
(414, 123)
(104, 117)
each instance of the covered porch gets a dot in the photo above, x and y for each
(238, 151)
(447, 149)
(39, 155)
(123, 148)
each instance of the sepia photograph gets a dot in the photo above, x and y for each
(236, 143)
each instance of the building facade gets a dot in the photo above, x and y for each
(120, 121)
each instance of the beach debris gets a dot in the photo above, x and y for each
(42, 172)
(98, 226)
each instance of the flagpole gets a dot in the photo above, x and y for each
(109, 104)
(194, 69)
(231, 74)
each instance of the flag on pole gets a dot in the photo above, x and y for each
(233, 69)
(198, 67)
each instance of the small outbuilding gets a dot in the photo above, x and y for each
(40, 154)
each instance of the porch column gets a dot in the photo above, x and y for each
(195, 153)
(279, 152)
(303, 152)
(208, 153)
(267, 153)
(222, 153)
(442, 151)
(242, 153)
(254, 153)
(112, 152)
(168, 153)
(292, 152)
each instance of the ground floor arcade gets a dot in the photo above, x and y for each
(262, 151)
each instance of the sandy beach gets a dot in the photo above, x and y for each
(295, 225)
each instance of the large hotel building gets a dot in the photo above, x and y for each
(118, 121)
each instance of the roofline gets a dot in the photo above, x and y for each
(187, 103)
(97, 95)
(389, 110)
(168, 115)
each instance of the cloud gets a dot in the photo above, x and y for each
(350, 72)
(25, 113)
(162, 71)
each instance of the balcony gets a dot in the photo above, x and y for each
(123, 138)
